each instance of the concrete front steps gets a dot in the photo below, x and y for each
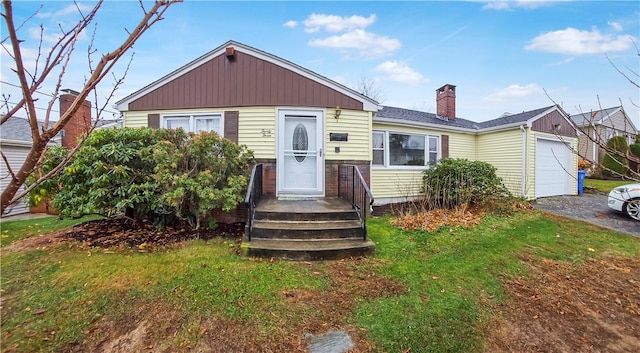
(309, 229)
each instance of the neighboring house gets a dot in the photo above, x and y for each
(277, 108)
(596, 128)
(15, 142)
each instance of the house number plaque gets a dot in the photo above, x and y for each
(266, 133)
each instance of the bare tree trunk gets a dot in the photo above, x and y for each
(60, 56)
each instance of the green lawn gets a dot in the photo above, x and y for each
(447, 279)
(604, 186)
(15, 230)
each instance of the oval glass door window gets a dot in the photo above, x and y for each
(300, 143)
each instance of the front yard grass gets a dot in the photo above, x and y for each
(421, 292)
(605, 186)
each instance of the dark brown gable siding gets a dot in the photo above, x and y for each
(554, 123)
(246, 81)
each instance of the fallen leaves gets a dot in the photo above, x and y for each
(433, 220)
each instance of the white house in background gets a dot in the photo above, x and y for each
(596, 128)
(15, 142)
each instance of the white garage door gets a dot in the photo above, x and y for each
(554, 168)
(16, 156)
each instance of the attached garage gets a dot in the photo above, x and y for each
(553, 168)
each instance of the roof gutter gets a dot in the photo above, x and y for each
(422, 125)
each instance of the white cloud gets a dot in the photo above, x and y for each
(616, 26)
(291, 24)
(333, 23)
(576, 42)
(513, 92)
(510, 5)
(69, 9)
(401, 72)
(368, 45)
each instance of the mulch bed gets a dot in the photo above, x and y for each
(124, 232)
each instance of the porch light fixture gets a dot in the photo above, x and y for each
(338, 112)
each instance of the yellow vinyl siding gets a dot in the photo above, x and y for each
(136, 119)
(462, 146)
(390, 183)
(503, 150)
(355, 123)
(257, 130)
(399, 183)
(256, 125)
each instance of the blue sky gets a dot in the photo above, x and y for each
(502, 56)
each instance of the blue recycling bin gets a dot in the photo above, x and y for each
(582, 174)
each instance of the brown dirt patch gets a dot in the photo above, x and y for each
(125, 233)
(566, 307)
(158, 328)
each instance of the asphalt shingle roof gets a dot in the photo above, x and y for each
(596, 116)
(424, 118)
(430, 118)
(17, 129)
(513, 118)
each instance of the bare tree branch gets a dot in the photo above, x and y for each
(59, 57)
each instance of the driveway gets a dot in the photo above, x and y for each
(590, 208)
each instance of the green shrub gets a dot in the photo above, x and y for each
(615, 164)
(635, 149)
(455, 182)
(200, 173)
(48, 188)
(111, 174)
(159, 175)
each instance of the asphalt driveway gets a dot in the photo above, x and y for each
(591, 208)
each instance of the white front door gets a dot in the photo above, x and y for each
(300, 162)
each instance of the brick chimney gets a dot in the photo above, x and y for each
(446, 101)
(79, 123)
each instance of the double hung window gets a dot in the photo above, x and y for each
(194, 123)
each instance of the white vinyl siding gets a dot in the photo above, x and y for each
(16, 155)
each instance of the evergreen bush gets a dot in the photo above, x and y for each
(456, 182)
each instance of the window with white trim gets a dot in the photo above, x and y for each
(378, 147)
(194, 123)
(396, 149)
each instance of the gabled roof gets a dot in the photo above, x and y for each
(367, 103)
(599, 117)
(516, 119)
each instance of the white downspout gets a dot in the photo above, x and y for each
(524, 160)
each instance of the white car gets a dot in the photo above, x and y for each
(626, 198)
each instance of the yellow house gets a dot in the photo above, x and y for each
(258, 99)
(316, 139)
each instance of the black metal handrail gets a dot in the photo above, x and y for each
(254, 194)
(353, 189)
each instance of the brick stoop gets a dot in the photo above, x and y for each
(310, 229)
